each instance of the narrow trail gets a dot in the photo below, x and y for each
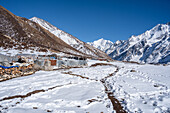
(27, 95)
(70, 73)
(115, 103)
(33, 92)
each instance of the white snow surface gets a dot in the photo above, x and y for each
(33, 50)
(71, 97)
(139, 88)
(143, 90)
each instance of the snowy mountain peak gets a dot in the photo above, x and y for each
(152, 46)
(69, 39)
(44, 24)
(153, 33)
(118, 42)
(101, 44)
(34, 18)
(101, 39)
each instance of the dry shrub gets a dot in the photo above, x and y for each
(43, 50)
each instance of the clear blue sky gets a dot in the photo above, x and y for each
(90, 20)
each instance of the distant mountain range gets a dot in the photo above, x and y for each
(153, 46)
(38, 35)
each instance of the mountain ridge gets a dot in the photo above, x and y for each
(70, 39)
(27, 34)
(151, 46)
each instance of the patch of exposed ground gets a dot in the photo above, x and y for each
(70, 73)
(28, 95)
(31, 93)
(93, 100)
(100, 64)
(66, 68)
(116, 104)
(23, 96)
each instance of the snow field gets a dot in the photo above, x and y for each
(139, 88)
(73, 94)
(144, 90)
(34, 50)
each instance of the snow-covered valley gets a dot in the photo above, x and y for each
(139, 88)
(46, 69)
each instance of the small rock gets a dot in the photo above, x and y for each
(160, 98)
(113, 111)
(35, 107)
(132, 70)
(144, 102)
(154, 103)
(17, 102)
(78, 106)
(49, 110)
(138, 110)
(107, 106)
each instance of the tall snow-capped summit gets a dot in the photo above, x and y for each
(70, 40)
(153, 46)
(101, 44)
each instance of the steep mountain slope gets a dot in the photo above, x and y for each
(26, 34)
(70, 40)
(153, 46)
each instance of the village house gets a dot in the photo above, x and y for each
(25, 64)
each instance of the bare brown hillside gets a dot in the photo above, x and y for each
(30, 34)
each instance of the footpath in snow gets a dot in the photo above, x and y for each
(142, 88)
(56, 91)
(93, 89)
